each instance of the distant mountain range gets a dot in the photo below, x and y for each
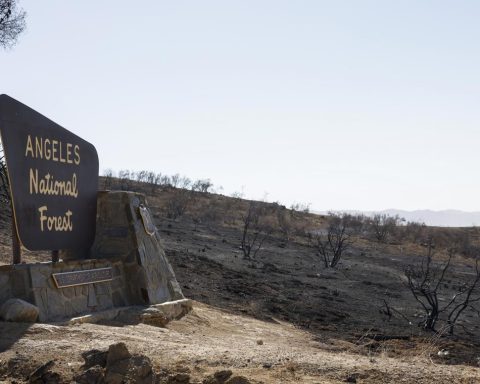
(446, 218)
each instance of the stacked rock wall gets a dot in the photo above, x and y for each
(126, 241)
(60, 303)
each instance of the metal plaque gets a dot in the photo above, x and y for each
(88, 276)
(53, 179)
(147, 220)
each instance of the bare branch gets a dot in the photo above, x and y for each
(255, 230)
(12, 23)
(332, 245)
(424, 284)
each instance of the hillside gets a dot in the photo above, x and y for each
(281, 316)
(445, 218)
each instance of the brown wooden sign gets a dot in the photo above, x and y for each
(53, 179)
(88, 276)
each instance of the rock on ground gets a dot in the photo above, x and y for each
(95, 357)
(93, 375)
(218, 377)
(115, 366)
(19, 311)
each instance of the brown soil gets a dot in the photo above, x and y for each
(210, 339)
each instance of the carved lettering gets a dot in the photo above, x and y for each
(55, 223)
(49, 186)
(52, 150)
(29, 147)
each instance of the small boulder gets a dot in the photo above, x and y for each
(155, 318)
(219, 377)
(50, 378)
(19, 311)
(40, 374)
(93, 375)
(95, 357)
(140, 369)
(222, 376)
(122, 367)
(117, 352)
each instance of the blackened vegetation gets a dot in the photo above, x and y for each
(5, 211)
(383, 226)
(178, 204)
(267, 292)
(427, 282)
(331, 245)
(5, 198)
(255, 229)
(265, 260)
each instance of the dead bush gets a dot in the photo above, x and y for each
(414, 231)
(179, 202)
(428, 284)
(255, 229)
(332, 243)
(4, 181)
(383, 226)
(285, 222)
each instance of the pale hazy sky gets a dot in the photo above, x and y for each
(343, 104)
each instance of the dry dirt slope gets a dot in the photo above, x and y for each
(209, 340)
